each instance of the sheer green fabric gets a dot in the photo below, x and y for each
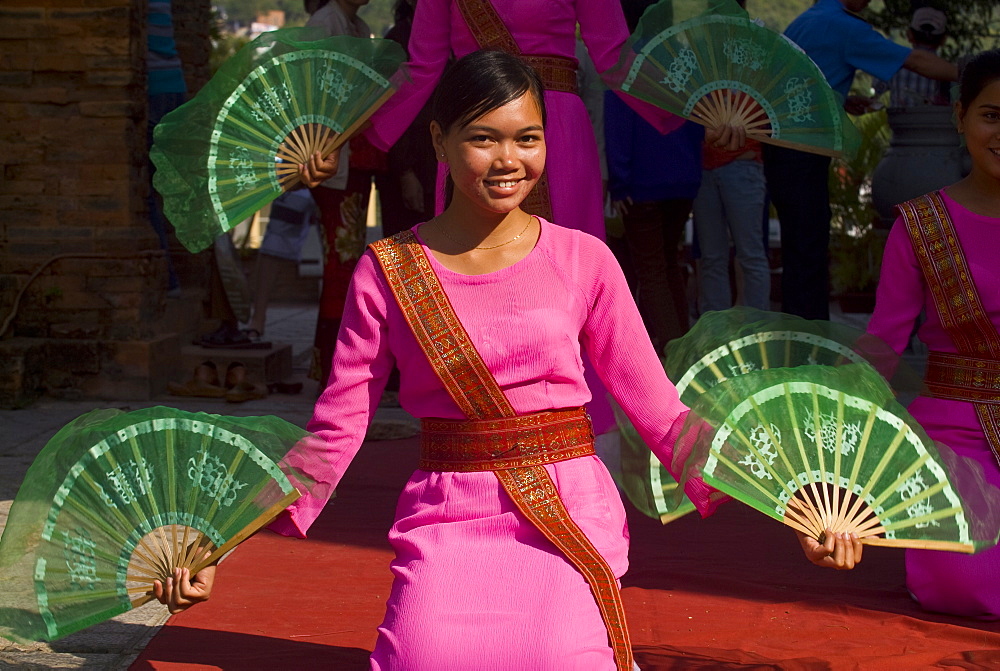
(705, 60)
(741, 340)
(735, 342)
(237, 144)
(113, 493)
(835, 440)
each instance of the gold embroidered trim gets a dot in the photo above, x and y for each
(536, 496)
(432, 319)
(488, 444)
(956, 298)
(963, 378)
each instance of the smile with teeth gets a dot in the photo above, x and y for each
(505, 183)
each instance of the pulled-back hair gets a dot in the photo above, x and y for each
(979, 72)
(481, 82)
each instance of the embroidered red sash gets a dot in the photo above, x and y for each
(556, 72)
(960, 309)
(469, 382)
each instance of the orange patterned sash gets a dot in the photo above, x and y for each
(470, 383)
(961, 311)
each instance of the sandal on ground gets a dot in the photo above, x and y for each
(238, 388)
(204, 383)
(246, 391)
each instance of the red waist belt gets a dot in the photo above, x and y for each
(963, 378)
(513, 442)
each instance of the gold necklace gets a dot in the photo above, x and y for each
(502, 244)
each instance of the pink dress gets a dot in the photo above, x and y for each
(475, 584)
(943, 581)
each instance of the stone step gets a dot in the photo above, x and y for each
(265, 366)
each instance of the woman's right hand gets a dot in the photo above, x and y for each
(182, 590)
(837, 551)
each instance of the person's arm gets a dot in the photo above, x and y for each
(900, 293)
(929, 64)
(430, 49)
(616, 341)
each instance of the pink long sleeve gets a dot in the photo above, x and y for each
(901, 292)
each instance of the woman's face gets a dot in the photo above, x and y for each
(495, 160)
(980, 124)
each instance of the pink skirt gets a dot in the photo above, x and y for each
(949, 582)
(477, 586)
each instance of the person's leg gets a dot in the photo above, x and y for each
(743, 192)
(675, 212)
(800, 193)
(265, 275)
(713, 240)
(644, 235)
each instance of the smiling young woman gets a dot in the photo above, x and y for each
(942, 252)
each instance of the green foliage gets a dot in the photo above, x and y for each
(777, 14)
(855, 244)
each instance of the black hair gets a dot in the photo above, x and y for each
(481, 82)
(979, 72)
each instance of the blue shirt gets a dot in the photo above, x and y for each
(840, 43)
(644, 164)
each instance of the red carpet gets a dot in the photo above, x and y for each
(729, 592)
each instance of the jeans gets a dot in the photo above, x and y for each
(731, 203)
(799, 188)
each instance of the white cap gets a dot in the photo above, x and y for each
(929, 20)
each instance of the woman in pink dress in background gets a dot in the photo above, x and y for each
(941, 257)
(510, 538)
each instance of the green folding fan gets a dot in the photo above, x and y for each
(819, 447)
(117, 500)
(725, 344)
(720, 68)
(239, 142)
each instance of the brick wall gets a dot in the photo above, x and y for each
(77, 253)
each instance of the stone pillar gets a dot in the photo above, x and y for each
(81, 275)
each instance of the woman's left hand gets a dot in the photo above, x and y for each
(729, 138)
(319, 169)
(838, 551)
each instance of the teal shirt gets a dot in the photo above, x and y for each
(165, 74)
